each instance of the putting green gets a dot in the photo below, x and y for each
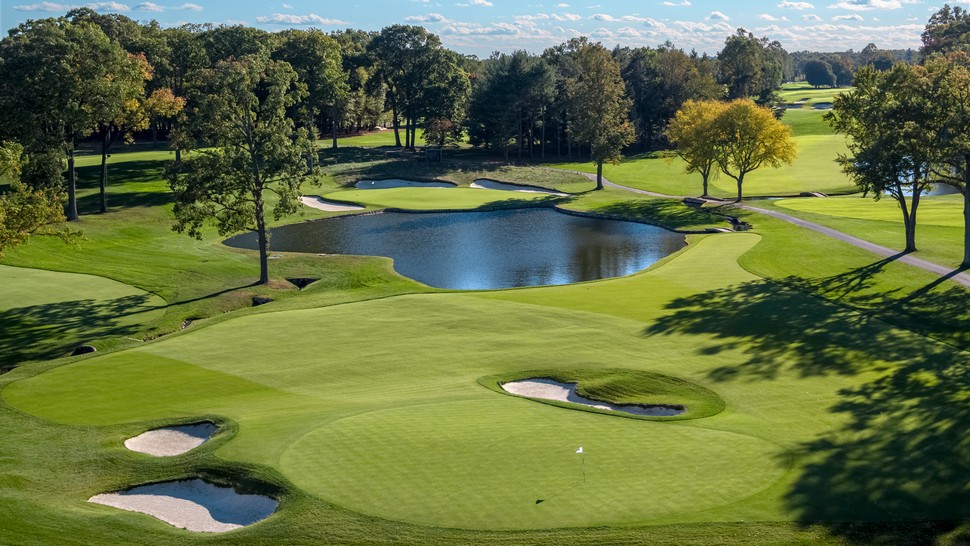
(483, 464)
(25, 287)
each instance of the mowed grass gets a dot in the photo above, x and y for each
(808, 96)
(814, 170)
(46, 313)
(939, 231)
(360, 406)
(373, 139)
(397, 426)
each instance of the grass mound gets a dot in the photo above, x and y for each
(624, 387)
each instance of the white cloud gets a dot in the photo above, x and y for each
(811, 17)
(429, 18)
(149, 6)
(685, 4)
(484, 3)
(549, 17)
(43, 6)
(865, 5)
(108, 6)
(852, 17)
(191, 7)
(767, 17)
(785, 4)
(311, 19)
(717, 16)
(287, 6)
(562, 5)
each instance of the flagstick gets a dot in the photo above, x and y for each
(584, 466)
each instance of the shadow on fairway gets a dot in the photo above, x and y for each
(52, 330)
(898, 469)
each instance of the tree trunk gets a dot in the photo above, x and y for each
(105, 143)
(705, 175)
(263, 242)
(599, 175)
(740, 182)
(333, 129)
(396, 124)
(542, 135)
(71, 212)
(154, 134)
(911, 224)
(965, 190)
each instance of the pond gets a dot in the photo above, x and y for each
(484, 250)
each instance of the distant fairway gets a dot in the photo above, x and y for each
(814, 169)
(939, 233)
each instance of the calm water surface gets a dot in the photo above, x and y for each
(484, 250)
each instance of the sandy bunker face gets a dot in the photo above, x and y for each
(486, 184)
(319, 203)
(170, 441)
(549, 389)
(195, 505)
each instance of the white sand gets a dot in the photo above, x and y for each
(547, 389)
(169, 441)
(486, 184)
(399, 183)
(319, 203)
(195, 505)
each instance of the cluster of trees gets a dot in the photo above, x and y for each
(910, 125)
(521, 103)
(733, 138)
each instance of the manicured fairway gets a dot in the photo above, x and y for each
(373, 410)
(808, 96)
(47, 313)
(939, 233)
(814, 169)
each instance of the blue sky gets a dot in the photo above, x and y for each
(482, 26)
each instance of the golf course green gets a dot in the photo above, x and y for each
(825, 378)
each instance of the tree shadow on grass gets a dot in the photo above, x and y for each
(52, 330)
(898, 471)
(669, 213)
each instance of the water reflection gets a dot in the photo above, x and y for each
(484, 250)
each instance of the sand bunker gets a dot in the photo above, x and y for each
(319, 203)
(548, 389)
(823, 106)
(399, 183)
(486, 184)
(196, 505)
(169, 441)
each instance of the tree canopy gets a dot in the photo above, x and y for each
(599, 108)
(239, 108)
(892, 139)
(750, 137)
(693, 133)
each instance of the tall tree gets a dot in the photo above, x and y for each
(892, 141)
(240, 109)
(58, 80)
(316, 58)
(445, 99)
(750, 137)
(753, 67)
(126, 115)
(660, 81)
(405, 56)
(160, 105)
(948, 30)
(819, 73)
(599, 114)
(950, 111)
(24, 211)
(693, 132)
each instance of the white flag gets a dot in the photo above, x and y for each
(580, 450)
